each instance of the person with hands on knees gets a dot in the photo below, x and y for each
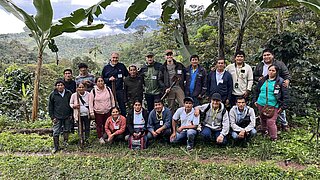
(242, 121)
(115, 126)
(60, 113)
(215, 126)
(188, 124)
(159, 122)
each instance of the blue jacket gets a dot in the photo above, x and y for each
(119, 71)
(200, 86)
(154, 124)
(224, 89)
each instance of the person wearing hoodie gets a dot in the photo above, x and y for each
(101, 100)
(215, 126)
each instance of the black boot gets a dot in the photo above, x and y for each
(55, 144)
(65, 139)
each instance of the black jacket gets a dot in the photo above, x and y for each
(283, 70)
(281, 95)
(130, 120)
(164, 80)
(119, 71)
(59, 106)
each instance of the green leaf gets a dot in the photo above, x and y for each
(209, 9)
(136, 8)
(314, 5)
(9, 8)
(58, 30)
(168, 8)
(96, 9)
(44, 13)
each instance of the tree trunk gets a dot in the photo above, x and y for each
(221, 28)
(240, 37)
(183, 25)
(35, 102)
(279, 21)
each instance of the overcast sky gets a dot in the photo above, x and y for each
(117, 10)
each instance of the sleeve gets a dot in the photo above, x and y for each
(125, 89)
(252, 120)
(203, 107)
(122, 126)
(161, 78)
(150, 125)
(72, 100)
(113, 103)
(257, 74)
(232, 119)
(250, 79)
(105, 75)
(225, 124)
(106, 127)
(130, 122)
(284, 71)
(196, 120)
(204, 82)
(145, 117)
(285, 97)
(51, 106)
(208, 83)
(125, 71)
(176, 115)
(91, 99)
(168, 119)
(230, 86)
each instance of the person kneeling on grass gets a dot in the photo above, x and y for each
(242, 120)
(189, 123)
(115, 126)
(159, 121)
(216, 123)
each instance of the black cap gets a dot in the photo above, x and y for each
(216, 96)
(188, 99)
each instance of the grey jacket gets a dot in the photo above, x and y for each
(233, 119)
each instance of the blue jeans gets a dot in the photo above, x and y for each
(252, 133)
(211, 135)
(283, 118)
(188, 134)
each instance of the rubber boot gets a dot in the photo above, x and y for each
(55, 144)
(65, 139)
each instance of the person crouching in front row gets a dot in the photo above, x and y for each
(115, 126)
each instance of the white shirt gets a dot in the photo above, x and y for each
(185, 118)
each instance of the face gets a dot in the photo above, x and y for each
(241, 103)
(188, 105)
(149, 59)
(169, 57)
(67, 75)
(114, 58)
(239, 59)
(100, 83)
(220, 65)
(81, 88)
(115, 113)
(60, 87)
(137, 106)
(83, 71)
(158, 107)
(215, 103)
(133, 71)
(194, 61)
(267, 57)
(272, 72)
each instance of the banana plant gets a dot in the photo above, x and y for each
(43, 29)
(313, 5)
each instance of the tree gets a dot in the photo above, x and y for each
(43, 30)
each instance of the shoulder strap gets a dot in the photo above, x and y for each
(110, 95)
(267, 92)
(207, 109)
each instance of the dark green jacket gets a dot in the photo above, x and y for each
(150, 74)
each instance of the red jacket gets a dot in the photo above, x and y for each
(117, 127)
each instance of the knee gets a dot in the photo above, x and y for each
(253, 132)
(234, 135)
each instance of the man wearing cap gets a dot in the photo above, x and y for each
(196, 80)
(85, 77)
(242, 77)
(133, 86)
(262, 70)
(188, 124)
(150, 73)
(115, 72)
(215, 126)
(60, 113)
(172, 72)
(220, 81)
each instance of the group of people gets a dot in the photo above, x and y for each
(226, 89)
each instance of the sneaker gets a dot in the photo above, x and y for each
(189, 148)
(101, 141)
(126, 138)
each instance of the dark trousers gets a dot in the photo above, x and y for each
(121, 103)
(150, 100)
(100, 122)
(85, 122)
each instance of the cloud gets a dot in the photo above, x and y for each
(10, 24)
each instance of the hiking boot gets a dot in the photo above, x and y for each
(102, 141)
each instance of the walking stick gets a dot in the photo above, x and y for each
(113, 89)
(173, 84)
(80, 128)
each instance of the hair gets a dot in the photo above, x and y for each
(82, 65)
(218, 59)
(158, 101)
(240, 53)
(67, 70)
(240, 98)
(194, 56)
(137, 101)
(276, 67)
(268, 50)
(82, 84)
(132, 65)
(115, 107)
(115, 53)
(58, 82)
(96, 80)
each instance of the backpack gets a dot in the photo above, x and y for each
(204, 113)
(138, 143)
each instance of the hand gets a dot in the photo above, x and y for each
(220, 138)
(286, 83)
(180, 129)
(112, 78)
(168, 90)
(241, 134)
(196, 112)
(256, 104)
(158, 131)
(173, 137)
(110, 138)
(246, 94)
(260, 78)
(76, 106)
(227, 101)
(136, 134)
(279, 110)
(155, 134)
(92, 116)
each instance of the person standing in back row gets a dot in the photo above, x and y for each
(85, 77)
(115, 72)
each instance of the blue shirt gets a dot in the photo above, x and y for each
(193, 79)
(272, 100)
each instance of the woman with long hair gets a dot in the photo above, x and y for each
(272, 98)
